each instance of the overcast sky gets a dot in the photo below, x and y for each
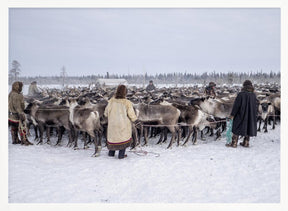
(96, 41)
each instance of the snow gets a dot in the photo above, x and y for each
(207, 172)
(207, 175)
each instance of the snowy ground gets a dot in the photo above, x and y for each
(204, 173)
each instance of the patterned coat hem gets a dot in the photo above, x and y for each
(119, 145)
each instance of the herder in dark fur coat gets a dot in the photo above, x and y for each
(210, 90)
(244, 115)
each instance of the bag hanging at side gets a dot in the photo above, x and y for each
(229, 123)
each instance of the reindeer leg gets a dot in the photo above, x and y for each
(172, 140)
(207, 130)
(194, 140)
(135, 137)
(89, 138)
(100, 135)
(41, 128)
(156, 132)
(71, 138)
(151, 132)
(223, 125)
(264, 121)
(71, 134)
(85, 138)
(259, 129)
(274, 122)
(190, 130)
(161, 137)
(265, 125)
(145, 136)
(212, 132)
(172, 130)
(184, 132)
(36, 132)
(104, 133)
(48, 130)
(148, 131)
(76, 140)
(141, 134)
(165, 134)
(59, 134)
(97, 143)
(179, 130)
(218, 134)
(202, 135)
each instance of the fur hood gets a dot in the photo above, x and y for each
(247, 88)
(17, 86)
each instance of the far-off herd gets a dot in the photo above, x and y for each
(181, 112)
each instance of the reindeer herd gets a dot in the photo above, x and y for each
(181, 112)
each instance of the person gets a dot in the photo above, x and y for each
(150, 87)
(210, 89)
(33, 89)
(120, 113)
(244, 115)
(16, 118)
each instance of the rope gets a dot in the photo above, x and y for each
(142, 152)
(182, 124)
(67, 109)
(270, 115)
(185, 124)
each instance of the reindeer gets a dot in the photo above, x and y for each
(50, 116)
(195, 119)
(160, 115)
(275, 100)
(86, 120)
(265, 110)
(218, 108)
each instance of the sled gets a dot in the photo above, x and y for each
(229, 123)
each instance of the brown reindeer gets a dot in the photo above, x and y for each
(195, 119)
(50, 116)
(160, 115)
(216, 107)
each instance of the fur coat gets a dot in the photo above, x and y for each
(120, 113)
(244, 112)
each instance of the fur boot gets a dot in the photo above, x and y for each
(234, 141)
(14, 135)
(24, 140)
(245, 142)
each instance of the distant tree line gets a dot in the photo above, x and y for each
(165, 78)
(162, 78)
